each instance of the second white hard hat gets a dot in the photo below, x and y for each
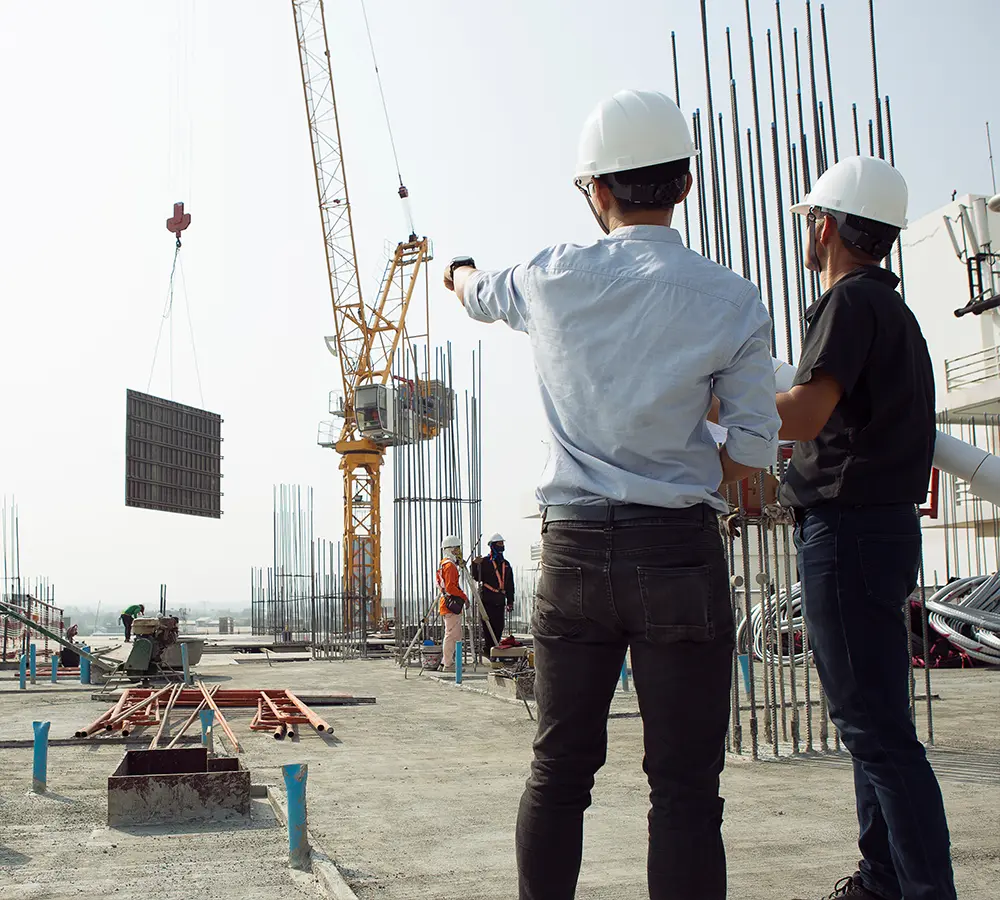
(632, 130)
(451, 542)
(860, 186)
(496, 539)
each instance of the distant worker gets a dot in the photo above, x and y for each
(129, 614)
(496, 578)
(862, 414)
(631, 335)
(453, 599)
(68, 657)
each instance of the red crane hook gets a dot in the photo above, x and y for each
(178, 222)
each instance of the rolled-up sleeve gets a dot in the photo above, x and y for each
(500, 296)
(745, 388)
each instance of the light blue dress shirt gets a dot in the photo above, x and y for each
(631, 336)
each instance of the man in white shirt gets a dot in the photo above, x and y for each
(631, 337)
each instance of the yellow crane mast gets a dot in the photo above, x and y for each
(376, 413)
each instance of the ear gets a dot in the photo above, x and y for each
(687, 188)
(602, 197)
(828, 232)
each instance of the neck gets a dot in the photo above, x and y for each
(618, 219)
(839, 266)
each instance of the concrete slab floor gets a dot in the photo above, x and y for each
(416, 797)
(57, 846)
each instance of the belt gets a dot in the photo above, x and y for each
(627, 512)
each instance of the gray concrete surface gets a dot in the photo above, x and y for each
(58, 846)
(416, 797)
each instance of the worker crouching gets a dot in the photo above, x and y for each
(452, 598)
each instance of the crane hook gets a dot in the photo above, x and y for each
(178, 222)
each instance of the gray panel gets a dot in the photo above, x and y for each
(173, 457)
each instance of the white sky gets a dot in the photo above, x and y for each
(111, 111)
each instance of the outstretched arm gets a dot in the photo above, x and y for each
(499, 296)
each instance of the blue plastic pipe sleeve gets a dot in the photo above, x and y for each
(39, 770)
(298, 837)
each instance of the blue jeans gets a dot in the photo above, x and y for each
(858, 565)
(660, 588)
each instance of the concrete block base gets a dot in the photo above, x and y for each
(166, 787)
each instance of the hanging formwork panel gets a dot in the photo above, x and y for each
(173, 457)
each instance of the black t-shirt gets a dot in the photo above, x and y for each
(878, 445)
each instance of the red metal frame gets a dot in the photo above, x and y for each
(931, 510)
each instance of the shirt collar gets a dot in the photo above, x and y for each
(889, 279)
(659, 233)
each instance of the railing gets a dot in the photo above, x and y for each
(328, 434)
(16, 637)
(974, 368)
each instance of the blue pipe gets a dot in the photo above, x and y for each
(624, 674)
(22, 673)
(31, 661)
(458, 662)
(207, 717)
(744, 659)
(298, 836)
(84, 666)
(184, 662)
(54, 659)
(40, 768)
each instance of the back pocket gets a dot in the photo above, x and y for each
(677, 604)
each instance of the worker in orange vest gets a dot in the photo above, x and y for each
(452, 598)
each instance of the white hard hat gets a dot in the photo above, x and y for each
(496, 539)
(632, 130)
(451, 542)
(860, 186)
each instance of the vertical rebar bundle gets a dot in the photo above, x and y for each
(437, 488)
(34, 597)
(281, 595)
(741, 196)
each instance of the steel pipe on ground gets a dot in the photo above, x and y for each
(190, 719)
(220, 718)
(319, 724)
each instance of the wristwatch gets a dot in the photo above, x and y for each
(457, 263)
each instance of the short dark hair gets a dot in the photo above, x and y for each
(651, 187)
(868, 238)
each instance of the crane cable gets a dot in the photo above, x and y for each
(165, 317)
(179, 180)
(403, 192)
(378, 78)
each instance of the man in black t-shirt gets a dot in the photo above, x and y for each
(861, 411)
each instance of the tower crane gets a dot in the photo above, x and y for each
(377, 412)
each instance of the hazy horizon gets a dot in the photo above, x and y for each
(140, 105)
